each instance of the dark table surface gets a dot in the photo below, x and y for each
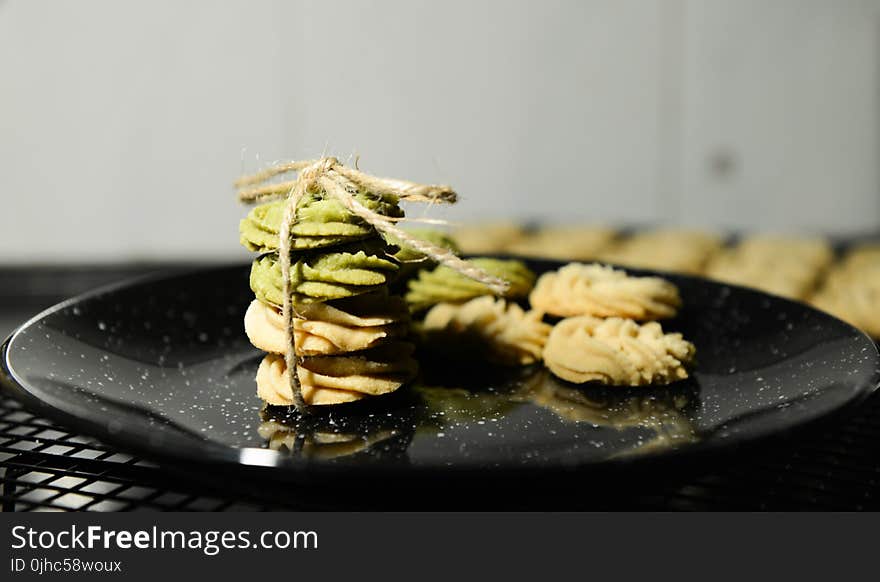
(833, 465)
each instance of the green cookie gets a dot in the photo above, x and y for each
(321, 277)
(412, 261)
(321, 222)
(443, 285)
(436, 237)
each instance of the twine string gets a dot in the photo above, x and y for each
(291, 359)
(341, 182)
(440, 254)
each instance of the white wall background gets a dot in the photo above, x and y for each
(122, 125)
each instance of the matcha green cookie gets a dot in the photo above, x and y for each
(443, 285)
(321, 222)
(412, 261)
(321, 277)
(436, 237)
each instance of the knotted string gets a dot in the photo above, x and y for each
(340, 182)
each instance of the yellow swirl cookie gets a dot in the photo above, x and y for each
(375, 371)
(338, 379)
(325, 329)
(509, 334)
(616, 352)
(273, 387)
(579, 289)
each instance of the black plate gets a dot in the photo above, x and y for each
(162, 366)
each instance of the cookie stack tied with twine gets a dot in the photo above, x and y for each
(324, 312)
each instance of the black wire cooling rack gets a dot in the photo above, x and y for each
(45, 467)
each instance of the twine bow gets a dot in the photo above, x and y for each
(340, 182)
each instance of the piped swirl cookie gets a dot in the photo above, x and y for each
(437, 237)
(338, 379)
(412, 261)
(597, 290)
(320, 223)
(274, 388)
(616, 352)
(347, 325)
(503, 331)
(443, 285)
(323, 277)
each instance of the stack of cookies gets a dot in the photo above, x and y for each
(349, 328)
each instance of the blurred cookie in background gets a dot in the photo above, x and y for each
(851, 291)
(564, 242)
(787, 266)
(862, 258)
(676, 250)
(488, 237)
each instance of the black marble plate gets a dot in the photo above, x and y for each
(162, 366)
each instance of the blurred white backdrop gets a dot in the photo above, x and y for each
(122, 125)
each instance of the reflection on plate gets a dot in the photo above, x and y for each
(663, 410)
(658, 416)
(163, 367)
(323, 439)
(386, 427)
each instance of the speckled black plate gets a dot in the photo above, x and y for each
(163, 367)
